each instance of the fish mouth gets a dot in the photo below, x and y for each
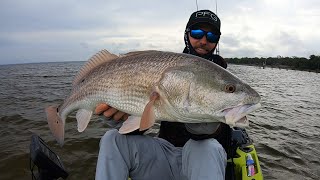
(236, 116)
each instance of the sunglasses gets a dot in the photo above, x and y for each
(199, 33)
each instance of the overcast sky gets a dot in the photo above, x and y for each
(73, 30)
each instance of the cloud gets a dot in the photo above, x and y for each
(74, 30)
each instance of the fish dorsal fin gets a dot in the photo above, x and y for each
(138, 53)
(96, 60)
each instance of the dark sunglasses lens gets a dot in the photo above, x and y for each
(212, 37)
(197, 33)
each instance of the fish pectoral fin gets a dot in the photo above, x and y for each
(83, 118)
(148, 115)
(55, 123)
(130, 125)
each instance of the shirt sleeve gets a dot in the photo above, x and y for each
(111, 122)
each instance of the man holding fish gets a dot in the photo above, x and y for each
(190, 93)
(182, 150)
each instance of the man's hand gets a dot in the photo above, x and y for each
(111, 112)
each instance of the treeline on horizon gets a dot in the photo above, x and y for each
(299, 63)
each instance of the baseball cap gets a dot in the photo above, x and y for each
(205, 16)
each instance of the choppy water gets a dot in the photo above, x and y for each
(285, 130)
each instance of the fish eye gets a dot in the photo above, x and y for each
(230, 88)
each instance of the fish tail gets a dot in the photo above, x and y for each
(55, 123)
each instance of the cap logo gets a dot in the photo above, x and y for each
(207, 14)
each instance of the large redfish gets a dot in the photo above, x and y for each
(155, 86)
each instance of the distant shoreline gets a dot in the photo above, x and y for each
(228, 61)
(49, 62)
(279, 67)
(294, 63)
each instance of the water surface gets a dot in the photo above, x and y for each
(285, 130)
